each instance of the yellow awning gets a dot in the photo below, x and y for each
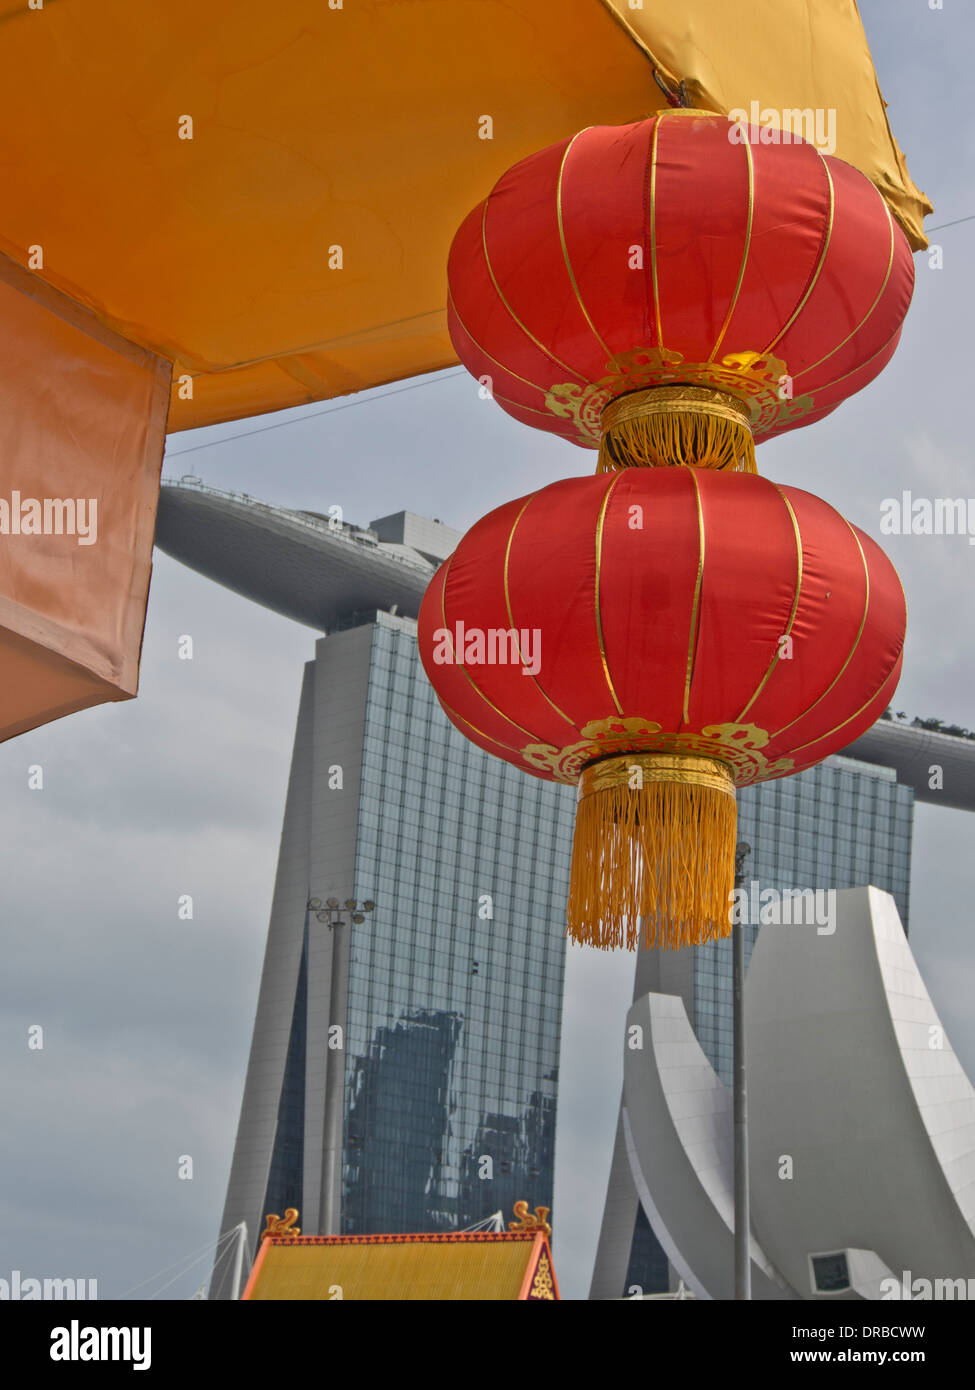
(262, 195)
(792, 59)
(352, 124)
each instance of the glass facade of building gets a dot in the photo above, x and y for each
(842, 824)
(455, 983)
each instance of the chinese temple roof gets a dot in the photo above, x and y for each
(436, 1267)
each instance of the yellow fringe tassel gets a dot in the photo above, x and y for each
(653, 861)
(682, 426)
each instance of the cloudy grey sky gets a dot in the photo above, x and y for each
(147, 1018)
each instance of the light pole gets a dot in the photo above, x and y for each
(743, 1267)
(330, 914)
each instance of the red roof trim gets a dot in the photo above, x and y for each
(416, 1238)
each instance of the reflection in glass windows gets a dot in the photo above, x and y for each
(455, 984)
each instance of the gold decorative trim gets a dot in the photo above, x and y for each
(695, 609)
(546, 415)
(750, 378)
(697, 113)
(656, 767)
(869, 314)
(275, 1225)
(674, 400)
(746, 146)
(737, 745)
(530, 1221)
(460, 719)
(853, 717)
(822, 260)
(514, 317)
(795, 604)
(543, 1285)
(653, 236)
(565, 249)
(861, 366)
(460, 665)
(511, 618)
(599, 616)
(852, 651)
(509, 371)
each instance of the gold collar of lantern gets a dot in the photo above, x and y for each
(673, 426)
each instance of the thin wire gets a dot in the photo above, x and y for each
(676, 98)
(214, 1245)
(228, 1250)
(329, 410)
(494, 1222)
(957, 222)
(180, 1274)
(231, 1248)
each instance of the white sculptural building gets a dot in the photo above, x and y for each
(861, 1123)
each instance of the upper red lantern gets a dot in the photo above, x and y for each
(639, 261)
(723, 629)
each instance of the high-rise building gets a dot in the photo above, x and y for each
(403, 1073)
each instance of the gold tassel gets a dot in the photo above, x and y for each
(653, 861)
(674, 426)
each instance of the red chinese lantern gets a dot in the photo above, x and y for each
(660, 637)
(672, 291)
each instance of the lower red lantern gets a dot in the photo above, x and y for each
(659, 638)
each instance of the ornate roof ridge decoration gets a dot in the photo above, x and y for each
(543, 1281)
(413, 1238)
(281, 1225)
(530, 1222)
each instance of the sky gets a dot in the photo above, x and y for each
(147, 1017)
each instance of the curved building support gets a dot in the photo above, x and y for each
(857, 1095)
(678, 1122)
(862, 1122)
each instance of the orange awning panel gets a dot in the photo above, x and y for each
(359, 128)
(82, 423)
